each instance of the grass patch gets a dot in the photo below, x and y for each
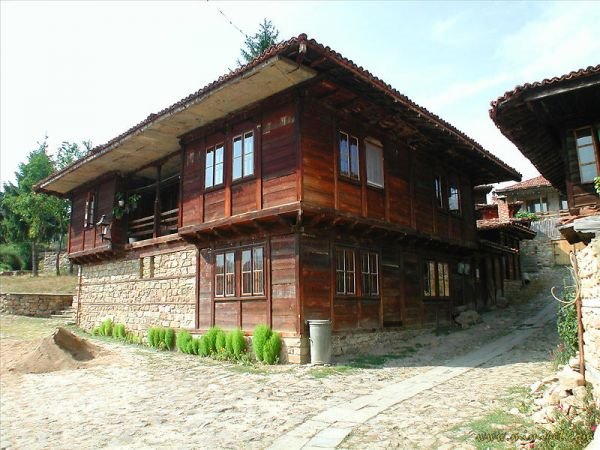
(248, 368)
(43, 284)
(490, 431)
(324, 372)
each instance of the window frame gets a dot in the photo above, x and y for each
(212, 149)
(438, 189)
(370, 274)
(374, 144)
(350, 175)
(436, 282)
(594, 135)
(89, 213)
(243, 156)
(238, 291)
(345, 272)
(454, 183)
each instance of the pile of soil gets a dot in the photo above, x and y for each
(59, 351)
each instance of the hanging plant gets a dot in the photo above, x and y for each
(124, 206)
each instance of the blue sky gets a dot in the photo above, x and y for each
(90, 70)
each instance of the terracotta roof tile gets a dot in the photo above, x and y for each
(526, 184)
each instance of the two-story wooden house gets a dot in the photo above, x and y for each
(297, 187)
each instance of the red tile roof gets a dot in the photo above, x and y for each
(590, 70)
(526, 184)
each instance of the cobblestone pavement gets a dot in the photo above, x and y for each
(150, 399)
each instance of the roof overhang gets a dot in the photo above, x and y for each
(160, 137)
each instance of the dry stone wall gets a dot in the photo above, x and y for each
(588, 262)
(35, 305)
(141, 292)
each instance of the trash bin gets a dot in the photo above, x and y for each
(320, 341)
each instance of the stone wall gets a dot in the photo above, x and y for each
(588, 262)
(47, 262)
(537, 253)
(141, 291)
(36, 305)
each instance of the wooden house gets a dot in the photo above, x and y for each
(297, 187)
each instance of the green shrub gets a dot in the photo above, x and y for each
(11, 257)
(228, 346)
(119, 331)
(183, 337)
(161, 338)
(132, 338)
(211, 338)
(261, 334)
(189, 347)
(96, 331)
(169, 338)
(196, 346)
(151, 337)
(271, 349)
(220, 342)
(106, 328)
(203, 347)
(237, 342)
(566, 323)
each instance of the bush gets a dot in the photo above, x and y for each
(160, 338)
(272, 348)
(169, 338)
(220, 342)
(228, 346)
(237, 342)
(132, 338)
(566, 323)
(119, 331)
(196, 346)
(261, 334)
(189, 347)
(211, 339)
(152, 337)
(157, 338)
(12, 257)
(203, 348)
(106, 328)
(183, 337)
(96, 331)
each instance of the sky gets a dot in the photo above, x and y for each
(85, 70)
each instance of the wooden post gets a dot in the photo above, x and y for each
(157, 207)
(579, 316)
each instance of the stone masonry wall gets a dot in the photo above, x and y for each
(141, 292)
(537, 253)
(35, 305)
(588, 262)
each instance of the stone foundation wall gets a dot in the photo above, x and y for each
(537, 253)
(588, 262)
(141, 292)
(35, 305)
(47, 262)
(362, 342)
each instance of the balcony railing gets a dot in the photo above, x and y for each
(143, 228)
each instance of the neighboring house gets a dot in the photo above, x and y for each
(538, 196)
(296, 187)
(501, 238)
(556, 124)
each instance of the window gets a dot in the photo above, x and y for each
(89, 218)
(439, 197)
(370, 274)
(436, 279)
(586, 154)
(243, 155)
(453, 197)
(213, 174)
(349, 156)
(252, 271)
(345, 280)
(564, 205)
(374, 151)
(244, 268)
(537, 206)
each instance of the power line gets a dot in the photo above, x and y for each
(230, 21)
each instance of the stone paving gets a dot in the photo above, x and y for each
(150, 399)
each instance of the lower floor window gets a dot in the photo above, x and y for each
(346, 280)
(436, 279)
(344, 272)
(239, 272)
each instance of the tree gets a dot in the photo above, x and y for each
(36, 214)
(265, 37)
(68, 152)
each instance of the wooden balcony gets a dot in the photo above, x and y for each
(151, 227)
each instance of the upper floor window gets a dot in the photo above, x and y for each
(439, 196)
(539, 205)
(349, 164)
(374, 152)
(89, 218)
(240, 272)
(586, 154)
(243, 155)
(436, 279)
(453, 197)
(564, 204)
(213, 174)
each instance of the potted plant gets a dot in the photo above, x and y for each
(124, 205)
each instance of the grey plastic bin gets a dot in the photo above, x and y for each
(320, 341)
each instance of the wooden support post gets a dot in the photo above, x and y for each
(157, 207)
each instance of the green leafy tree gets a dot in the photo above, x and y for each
(254, 45)
(69, 152)
(33, 216)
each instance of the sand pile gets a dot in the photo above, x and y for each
(61, 350)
